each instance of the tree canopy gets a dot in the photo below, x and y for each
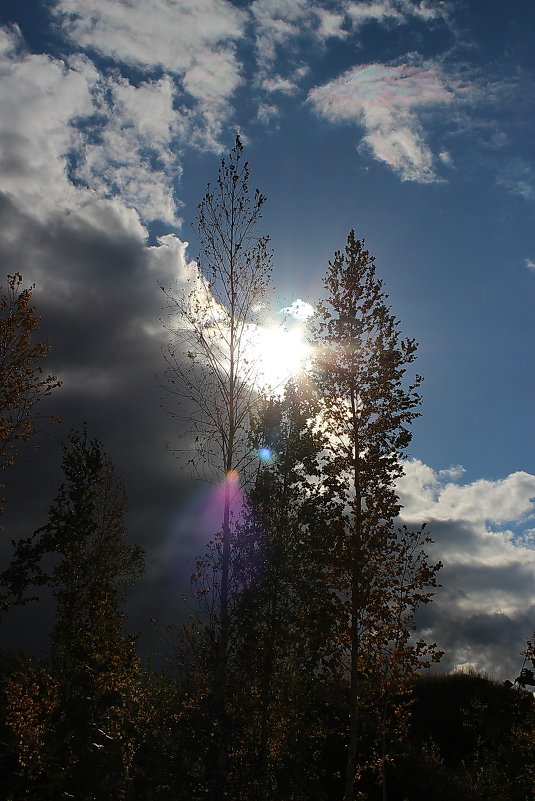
(23, 382)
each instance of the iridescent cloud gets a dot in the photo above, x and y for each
(385, 99)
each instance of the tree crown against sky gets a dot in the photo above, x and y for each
(211, 370)
(367, 405)
(362, 360)
(81, 552)
(77, 714)
(23, 382)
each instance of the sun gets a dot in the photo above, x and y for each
(276, 353)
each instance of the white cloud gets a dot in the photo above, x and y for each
(489, 567)
(428, 494)
(62, 121)
(213, 77)
(278, 21)
(530, 263)
(518, 177)
(109, 216)
(528, 537)
(299, 310)
(397, 11)
(385, 100)
(193, 41)
(153, 33)
(445, 157)
(10, 40)
(495, 501)
(168, 261)
(284, 28)
(148, 107)
(279, 84)
(374, 10)
(267, 113)
(400, 143)
(40, 97)
(330, 24)
(133, 155)
(456, 471)
(194, 303)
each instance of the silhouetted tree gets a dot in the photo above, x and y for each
(281, 609)
(85, 706)
(211, 372)
(470, 737)
(23, 384)
(366, 409)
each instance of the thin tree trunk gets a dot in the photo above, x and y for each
(234, 276)
(383, 769)
(265, 702)
(356, 557)
(220, 679)
(354, 728)
(220, 769)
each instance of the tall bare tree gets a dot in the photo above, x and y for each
(211, 370)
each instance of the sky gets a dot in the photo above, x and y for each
(410, 122)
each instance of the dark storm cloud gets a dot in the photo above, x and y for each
(488, 640)
(96, 298)
(100, 303)
(496, 581)
(483, 612)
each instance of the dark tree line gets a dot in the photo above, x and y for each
(297, 677)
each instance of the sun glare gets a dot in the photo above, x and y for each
(279, 354)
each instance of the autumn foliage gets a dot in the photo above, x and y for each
(23, 382)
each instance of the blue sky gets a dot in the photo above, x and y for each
(411, 122)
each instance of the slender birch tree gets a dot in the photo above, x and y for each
(211, 373)
(367, 407)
